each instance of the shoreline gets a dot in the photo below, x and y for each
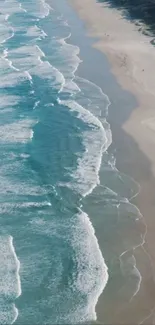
(133, 135)
(130, 159)
(132, 73)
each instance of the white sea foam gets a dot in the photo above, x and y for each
(82, 113)
(6, 32)
(8, 313)
(7, 17)
(86, 176)
(98, 101)
(69, 49)
(20, 6)
(17, 267)
(35, 31)
(36, 104)
(6, 110)
(3, 18)
(95, 141)
(24, 155)
(27, 50)
(5, 54)
(68, 64)
(130, 272)
(8, 101)
(31, 60)
(16, 132)
(29, 77)
(39, 8)
(71, 87)
(29, 57)
(9, 272)
(10, 7)
(25, 57)
(10, 77)
(24, 63)
(9, 207)
(46, 71)
(9, 188)
(92, 274)
(10, 286)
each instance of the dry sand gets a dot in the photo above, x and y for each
(132, 59)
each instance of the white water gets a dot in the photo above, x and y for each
(10, 286)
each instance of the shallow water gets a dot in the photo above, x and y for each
(54, 136)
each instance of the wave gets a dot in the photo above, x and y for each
(68, 64)
(31, 59)
(17, 132)
(8, 101)
(85, 178)
(10, 286)
(25, 57)
(92, 272)
(39, 9)
(89, 275)
(6, 33)
(10, 7)
(5, 54)
(10, 207)
(20, 6)
(49, 72)
(95, 142)
(35, 31)
(9, 78)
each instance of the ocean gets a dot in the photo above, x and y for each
(54, 138)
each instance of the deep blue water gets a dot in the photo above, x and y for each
(53, 134)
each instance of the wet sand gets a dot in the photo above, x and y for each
(132, 59)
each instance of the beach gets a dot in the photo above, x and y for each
(77, 165)
(131, 57)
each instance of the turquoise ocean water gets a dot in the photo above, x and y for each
(53, 135)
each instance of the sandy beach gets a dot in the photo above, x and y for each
(131, 57)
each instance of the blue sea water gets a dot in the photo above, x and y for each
(48, 163)
(53, 133)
